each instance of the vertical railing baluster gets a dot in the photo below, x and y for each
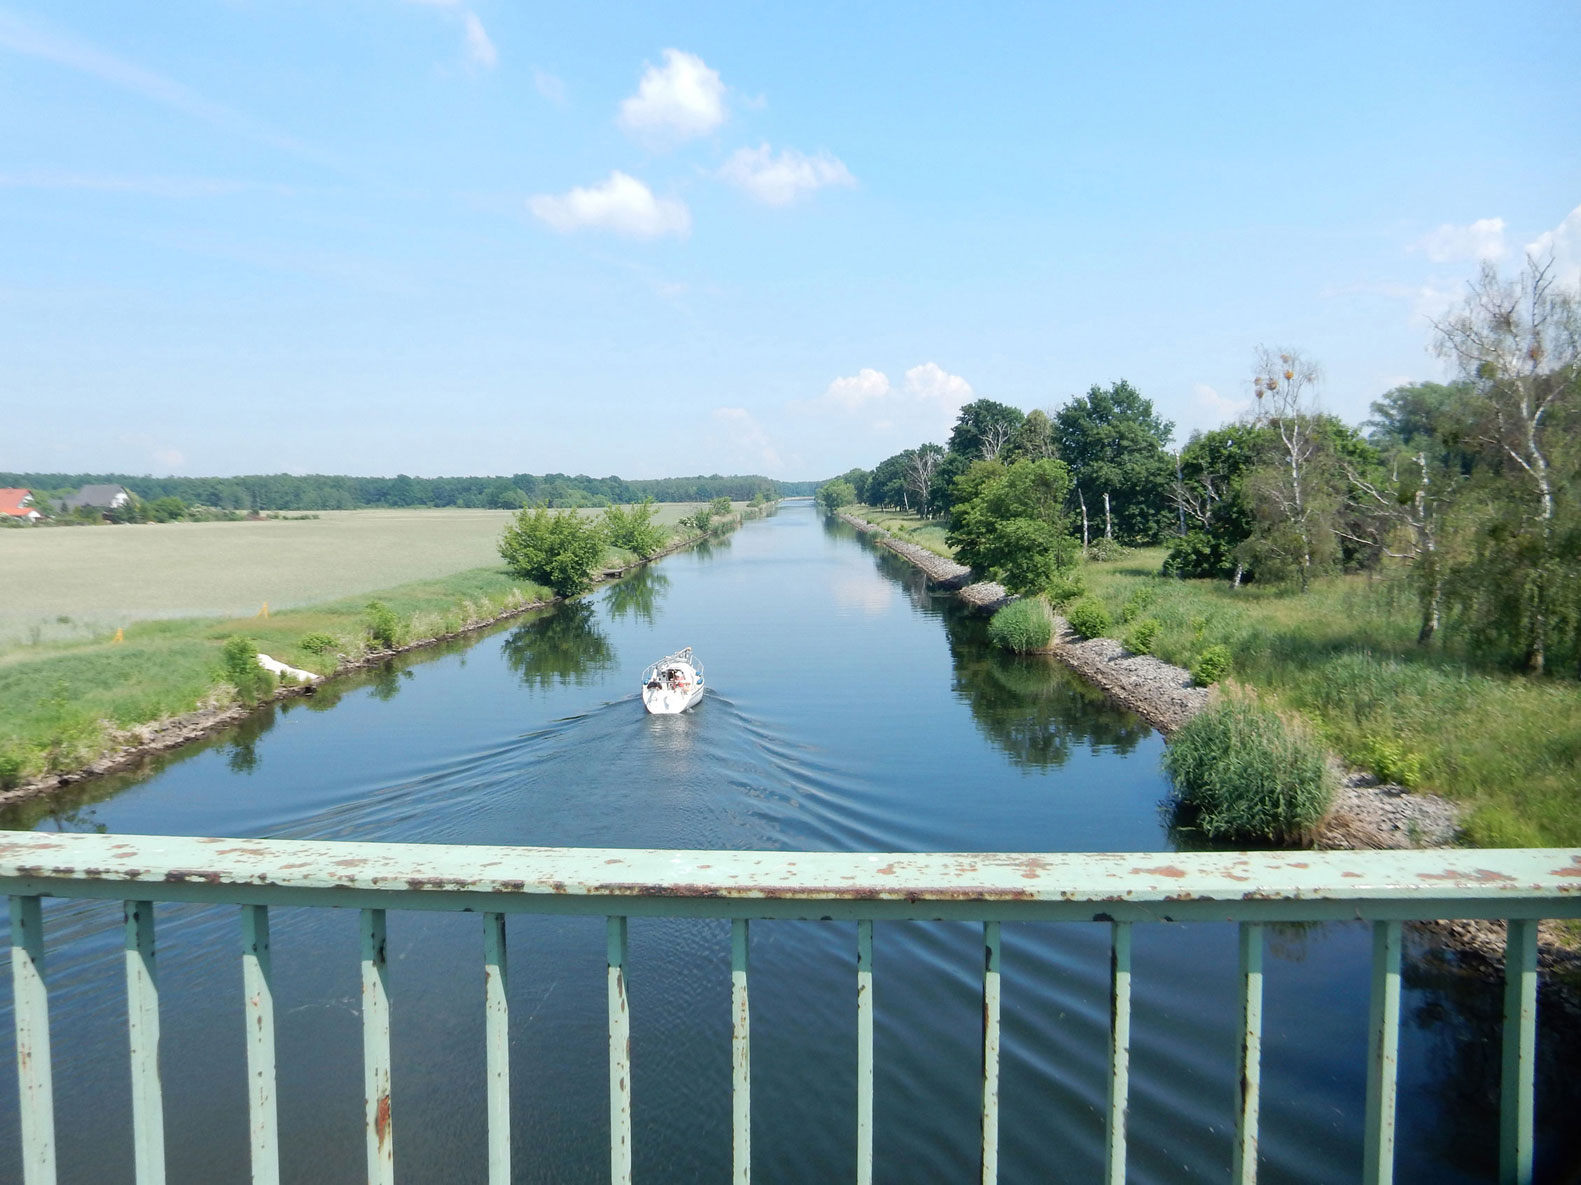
(1119, 1049)
(497, 1024)
(379, 1121)
(258, 987)
(990, 1109)
(1249, 1088)
(34, 1080)
(1520, 1053)
(619, 1056)
(740, 1057)
(1383, 1054)
(142, 1024)
(864, 1053)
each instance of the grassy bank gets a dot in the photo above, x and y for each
(71, 701)
(1344, 657)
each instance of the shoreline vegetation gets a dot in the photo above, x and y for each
(92, 707)
(1503, 747)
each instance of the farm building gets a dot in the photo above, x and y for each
(19, 504)
(99, 497)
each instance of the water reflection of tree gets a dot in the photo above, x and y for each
(1460, 1010)
(562, 647)
(1031, 707)
(637, 595)
(241, 752)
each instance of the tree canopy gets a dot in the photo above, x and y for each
(1114, 442)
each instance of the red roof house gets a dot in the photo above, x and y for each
(19, 504)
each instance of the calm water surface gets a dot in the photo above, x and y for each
(848, 709)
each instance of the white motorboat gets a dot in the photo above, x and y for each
(672, 684)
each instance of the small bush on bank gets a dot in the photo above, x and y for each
(1105, 550)
(11, 765)
(1088, 617)
(1065, 587)
(240, 660)
(317, 643)
(1143, 636)
(1242, 772)
(1137, 601)
(384, 627)
(1211, 665)
(1022, 626)
(1393, 762)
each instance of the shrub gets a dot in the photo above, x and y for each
(554, 549)
(634, 529)
(1143, 636)
(1105, 550)
(1140, 599)
(1393, 762)
(1022, 626)
(1065, 587)
(240, 661)
(1211, 665)
(316, 643)
(384, 627)
(11, 765)
(1242, 772)
(1088, 617)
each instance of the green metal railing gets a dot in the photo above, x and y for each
(1122, 889)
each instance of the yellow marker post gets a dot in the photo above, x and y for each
(120, 636)
(264, 612)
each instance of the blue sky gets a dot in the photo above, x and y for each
(381, 236)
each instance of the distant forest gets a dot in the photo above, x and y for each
(284, 491)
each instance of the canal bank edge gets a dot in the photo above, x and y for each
(139, 742)
(1365, 814)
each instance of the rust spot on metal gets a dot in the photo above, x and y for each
(1297, 864)
(612, 861)
(381, 1119)
(1573, 869)
(1481, 875)
(182, 875)
(437, 882)
(351, 862)
(1161, 870)
(1032, 866)
(298, 864)
(260, 853)
(887, 870)
(1233, 876)
(1352, 875)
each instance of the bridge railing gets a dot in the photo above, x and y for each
(1122, 889)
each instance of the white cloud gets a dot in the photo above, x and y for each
(933, 385)
(622, 205)
(747, 439)
(550, 86)
(678, 101)
(1482, 240)
(850, 393)
(779, 181)
(1563, 244)
(479, 48)
(1209, 400)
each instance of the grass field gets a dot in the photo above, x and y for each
(1344, 657)
(82, 582)
(179, 592)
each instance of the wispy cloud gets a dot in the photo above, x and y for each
(1208, 400)
(747, 439)
(1482, 240)
(853, 392)
(622, 205)
(1563, 246)
(550, 86)
(151, 186)
(475, 38)
(34, 40)
(678, 101)
(780, 180)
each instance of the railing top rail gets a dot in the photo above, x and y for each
(1526, 882)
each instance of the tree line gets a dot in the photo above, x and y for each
(285, 491)
(1469, 491)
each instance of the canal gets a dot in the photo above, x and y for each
(849, 708)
